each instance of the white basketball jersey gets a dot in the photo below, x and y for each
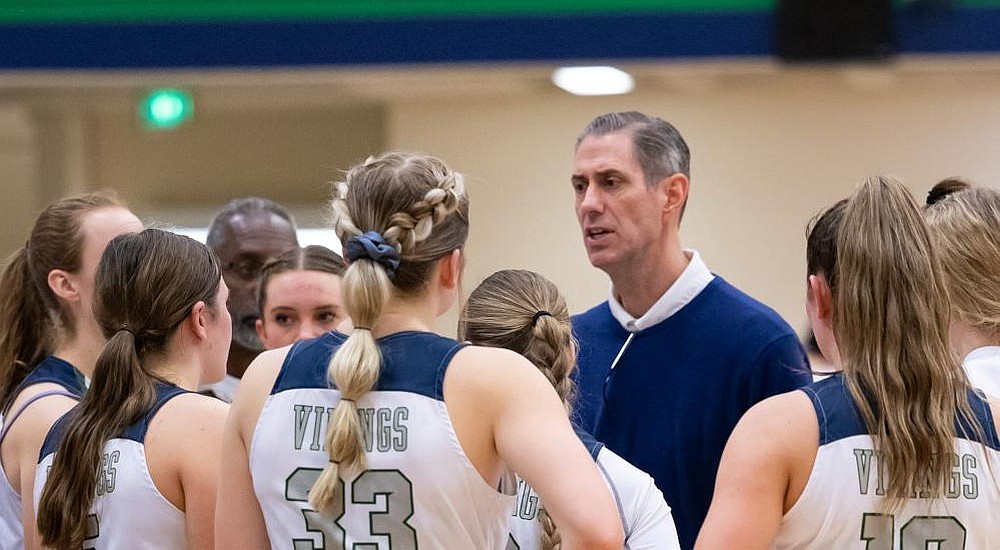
(841, 505)
(128, 511)
(983, 367)
(644, 513)
(51, 370)
(419, 488)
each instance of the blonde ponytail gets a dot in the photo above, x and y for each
(890, 318)
(396, 215)
(354, 369)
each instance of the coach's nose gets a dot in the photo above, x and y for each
(591, 201)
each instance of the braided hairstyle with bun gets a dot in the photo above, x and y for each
(396, 215)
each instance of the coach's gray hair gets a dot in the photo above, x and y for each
(243, 207)
(659, 147)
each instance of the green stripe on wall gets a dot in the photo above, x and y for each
(63, 11)
(164, 11)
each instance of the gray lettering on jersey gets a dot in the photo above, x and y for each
(108, 473)
(365, 416)
(953, 487)
(384, 429)
(319, 427)
(399, 439)
(526, 507)
(969, 466)
(302, 413)
(863, 457)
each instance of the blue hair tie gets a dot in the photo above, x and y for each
(372, 245)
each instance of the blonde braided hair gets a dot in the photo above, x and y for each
(418, 206)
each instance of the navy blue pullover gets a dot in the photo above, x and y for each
(680, 387)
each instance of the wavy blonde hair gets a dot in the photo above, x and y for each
(418, 205)
(965, 226)
(890, 318)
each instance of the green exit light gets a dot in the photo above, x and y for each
(166, 109)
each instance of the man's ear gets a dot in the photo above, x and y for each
(197, 322)
(64, 285)
(450, 269)
(675, 187)
(821, 296)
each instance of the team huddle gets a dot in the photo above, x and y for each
(139, 410)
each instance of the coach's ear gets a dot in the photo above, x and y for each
(675, 190)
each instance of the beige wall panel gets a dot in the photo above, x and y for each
(18, 169)
(287, 155)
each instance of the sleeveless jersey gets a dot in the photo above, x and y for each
(128, 512)
(644, 513)
(51, 370)
(419, 488)
(840, 505)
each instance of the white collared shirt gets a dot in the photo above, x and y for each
(692, 281)
(983, 367)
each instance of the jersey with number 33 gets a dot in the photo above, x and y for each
(842, 505)
(419, 490)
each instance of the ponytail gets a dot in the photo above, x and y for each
(551, 349)
(396, 215)
(146, 285)
(120, 393)
(354, 369)
(890, 318)
(23, 341)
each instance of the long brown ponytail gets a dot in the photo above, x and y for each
(417, 206)
(145, 288)
(890, 319)
(31, 317)
(524, 312)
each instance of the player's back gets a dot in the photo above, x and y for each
(644, 513)
(128, 510)
(842, 505)
(419, 488)
(51, 370)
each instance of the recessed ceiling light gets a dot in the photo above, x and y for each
(600, 80)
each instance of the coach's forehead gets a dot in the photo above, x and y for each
(598, 153)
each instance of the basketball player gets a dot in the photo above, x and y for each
(48, 339)
(299, 296)
(134, 465)
(965, 227)
(394, 436)
(897, 451)
(524, 312)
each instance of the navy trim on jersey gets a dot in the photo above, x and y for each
(136, 432)
(412, 361)
(593, 446)
(53, 370)
(839, 417)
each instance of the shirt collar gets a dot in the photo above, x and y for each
(985, 353)
(692, 281)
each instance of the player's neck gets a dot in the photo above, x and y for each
(638, 286)
(965, 339)
(405, 315)
(82, 349)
